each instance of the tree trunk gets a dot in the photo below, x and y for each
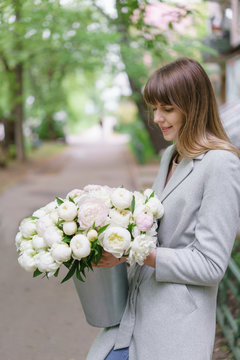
(18, 113)
(155, 134)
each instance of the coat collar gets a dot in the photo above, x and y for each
(184, 168)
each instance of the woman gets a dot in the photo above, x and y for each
(171, 308)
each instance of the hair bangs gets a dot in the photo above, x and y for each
(156, 91)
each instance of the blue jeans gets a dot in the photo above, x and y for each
(120, 354)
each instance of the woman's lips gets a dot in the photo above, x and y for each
(165, 129)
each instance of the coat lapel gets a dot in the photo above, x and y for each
(182, 171)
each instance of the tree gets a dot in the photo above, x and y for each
(39, 45)
(138, 38)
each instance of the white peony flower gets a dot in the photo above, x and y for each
(43, 223)
(45, 262)
(74, 193)
(39, 213)
(92, 211)
(155, 207)
(28, 228)
(54, 216)
(80, 246)
(139, 209)
(92, 235)
(69, 227)
(67, 210)
(50, 207)
(25, 245)
(39, 243)
(116, 240)
(90, 188)
(148, 192)
(27, 261)
(153, 230)
(100, 192)
(141, 247)
(121, 198)
(139, 199)
(18, 239)
(120, 218)
(135, 231)
(52, 235)
(61, 252)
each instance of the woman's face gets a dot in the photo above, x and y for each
(169, 119)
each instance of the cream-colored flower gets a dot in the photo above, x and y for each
(53, 235)
(39, 243)
(28, 228)
(27, 260)
(92, 235)
(121, 198)
(43, 223)
(141, 247)
(116, 240)
(67, 210)
(45, 262)
(61, 252)
(80, 246)
(69, 227)
(120, 217)
(92, 211)
(155, 207)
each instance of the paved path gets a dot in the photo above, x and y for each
(41, 319)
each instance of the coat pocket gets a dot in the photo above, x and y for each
(184, 298)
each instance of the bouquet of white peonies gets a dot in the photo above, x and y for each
(75, 230)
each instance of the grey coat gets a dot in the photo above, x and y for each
(171, 310)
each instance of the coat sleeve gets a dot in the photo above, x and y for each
(205, 261)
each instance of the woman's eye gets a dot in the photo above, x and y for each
(168, 109)
(154, 109)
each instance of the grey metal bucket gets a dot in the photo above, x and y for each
(103, 295)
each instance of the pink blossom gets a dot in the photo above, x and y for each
(144, 221)
(92, 210)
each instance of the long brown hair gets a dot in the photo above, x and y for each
(185, 85)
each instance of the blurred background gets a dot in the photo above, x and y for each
(72, 112)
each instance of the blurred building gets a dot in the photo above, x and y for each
(224, 39)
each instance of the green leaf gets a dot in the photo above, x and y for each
(133, 204)
(37, 273)
(71, 271)
(102, 229)
(59, 201)
(80, 231)
(78, 273)
(170, 25)
(68, 263)
(130, 227)
(57, 272)
(152, 195)
(71, 199)
(33, 217)
(66, 239)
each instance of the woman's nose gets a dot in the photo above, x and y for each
(158, 116)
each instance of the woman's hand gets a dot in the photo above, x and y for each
(151, 259)
(108, 260)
